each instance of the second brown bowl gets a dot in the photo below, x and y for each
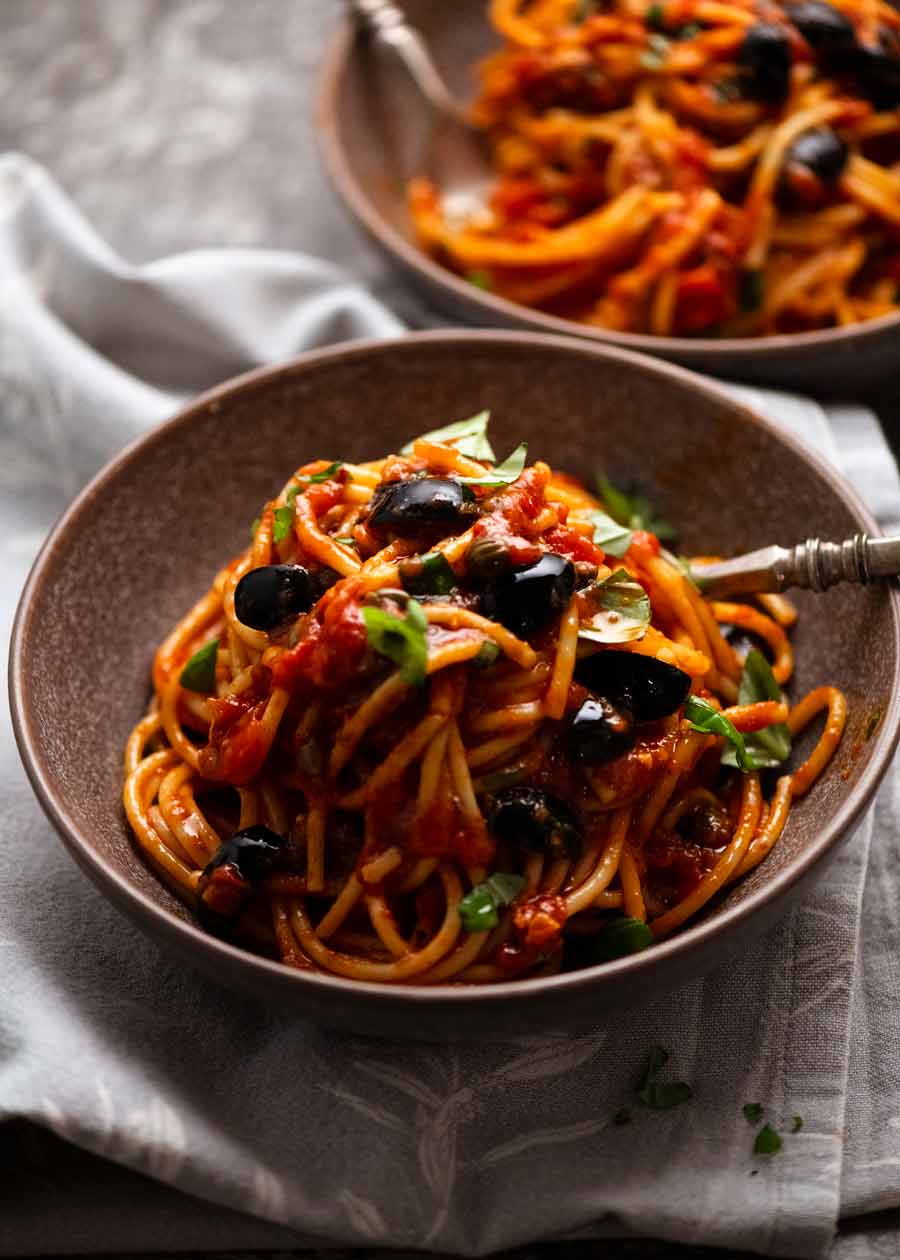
(363, 112)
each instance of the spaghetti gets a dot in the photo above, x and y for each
(682, 167)
(445, 719)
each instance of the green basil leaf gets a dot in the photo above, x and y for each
(614, 538)
(753, 1112)
(622, 936)
(703, 717)
(772, 745)
(468, 436)
(326, 474)
(768, 1142)
(488, 654)
(284, 523)
(658, 49)
(654, 16)
(480, 279)
(348, 541)
(623, 610)
(199, 674)
(312, 479)
(254, 526)
(656, 1094)
(757, 680)
(400, 639)
(634, 511)
(478, 909)
(504, 473)
(728, 90)
(428, 575)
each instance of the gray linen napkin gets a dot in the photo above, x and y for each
(115, 1047)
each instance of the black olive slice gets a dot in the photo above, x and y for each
(266, 597)
(526, 600)
(599, 732)
(649, 688)
(527, 818)
(421, 503)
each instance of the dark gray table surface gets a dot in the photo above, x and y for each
(180, 124)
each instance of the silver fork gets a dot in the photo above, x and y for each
(455, 155)
(812, 565)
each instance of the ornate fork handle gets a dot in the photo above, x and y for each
(386, 23)
(812, 565)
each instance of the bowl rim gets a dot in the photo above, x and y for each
(189, 937)
(736, 350)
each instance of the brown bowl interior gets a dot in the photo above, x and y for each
(145, 539)
(372, 131)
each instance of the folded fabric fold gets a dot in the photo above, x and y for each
(118, 1048)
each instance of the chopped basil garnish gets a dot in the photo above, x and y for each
(504, 473)
(623, 610)
(751, 290)
(753, 1112)
(656, 53)
(661, 1095)
(772, 745)
(727, 90)
(284, 521)
(480, 279)
(254, 527)
(767, 1141)
(312, 479)
(796, 1124)
(703, 717)
(468, 436)
(622, 936)
(487, 655)
(872, 724)
(347, 541)
(478, 909)
(654, 16)
(634, 511)
(401, 639)
(690, 31)
(428, 575)
(326, 474)
(615, 539)
(199, 674)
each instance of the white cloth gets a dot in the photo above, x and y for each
(111, 1044)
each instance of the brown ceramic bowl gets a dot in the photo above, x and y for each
(177, 503)
(367, 132)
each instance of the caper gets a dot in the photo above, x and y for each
(486, 559)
